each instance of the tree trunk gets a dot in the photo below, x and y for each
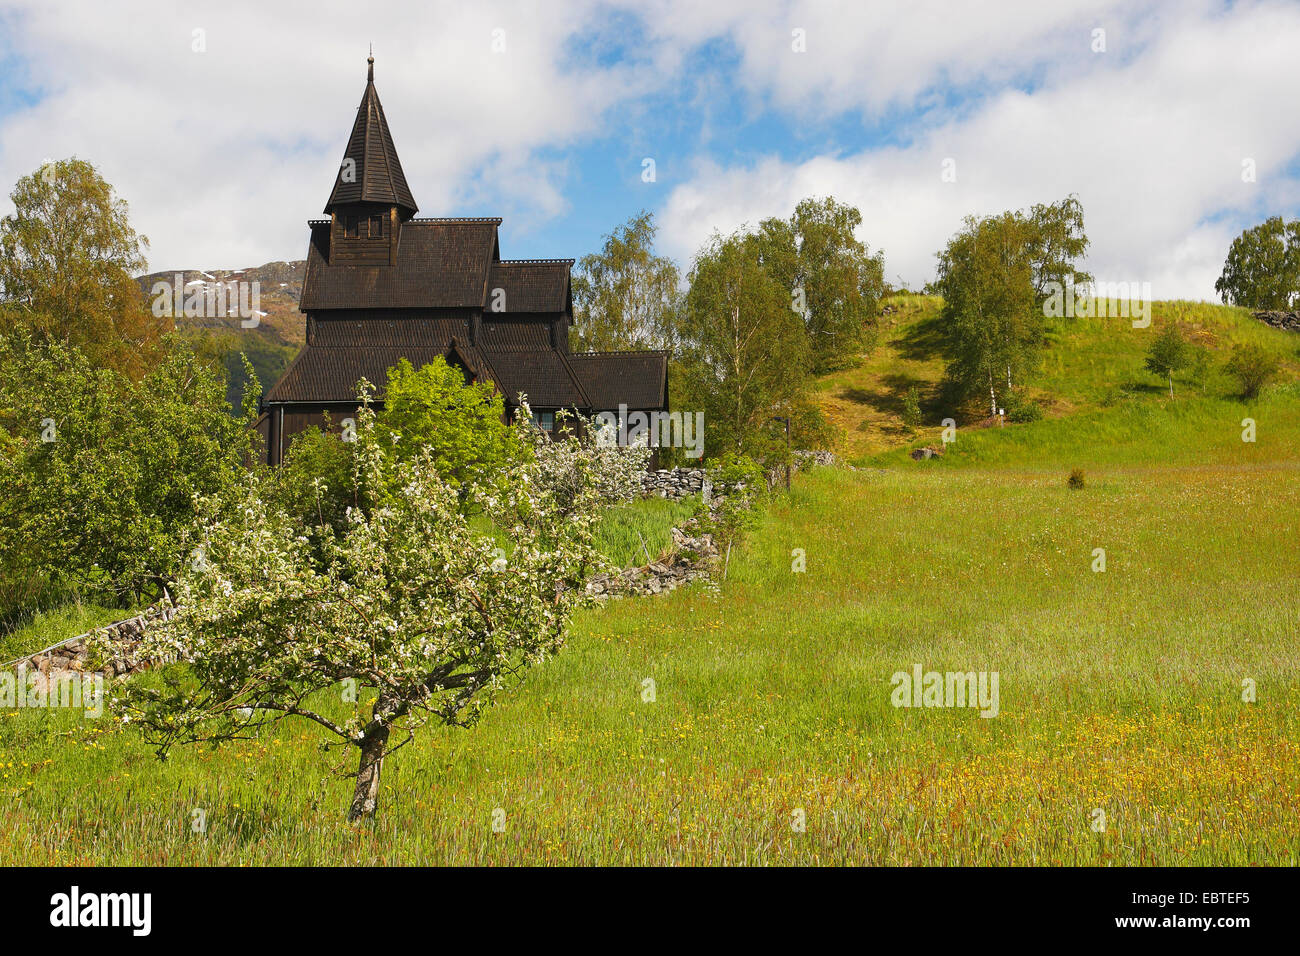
(1171, 384)
(366, 796)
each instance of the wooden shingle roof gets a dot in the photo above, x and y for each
(531, 285)
(441, 263)
(325, 374)
(331, 374)
(544, 376)
(506, 335)
(371, 159)
(636, 379)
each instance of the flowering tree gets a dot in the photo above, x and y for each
(407, 600)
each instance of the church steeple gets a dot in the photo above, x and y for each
(370, 171)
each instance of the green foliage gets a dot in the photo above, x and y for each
(741, 482)
(912, 407)
(744, 355)
(995, 276)
(315, 485)
(810, 427)
(1168, 354)
(831, 278)
(1021, 410)
(461, 424)
(409, 599)
(98, 472)
(1253, 367)
(1262, 270)
(1056, 244)
(624, 296)
(67, 256)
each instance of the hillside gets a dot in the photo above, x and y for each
(271, 344)
(1099, 402)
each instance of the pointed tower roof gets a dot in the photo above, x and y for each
(378, 172)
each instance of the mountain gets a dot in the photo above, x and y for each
(278, 286)
(257, 316)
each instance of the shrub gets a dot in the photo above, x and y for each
(99, 471)
(315, 484)
(1253, 368)
(461, 424)
(1022, 410)
(741, 480)
(912, 407)
(1168, 354)
(1075, 480)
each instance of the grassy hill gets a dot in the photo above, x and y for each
(1100, 404)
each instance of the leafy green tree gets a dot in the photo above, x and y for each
(98, 471)
(912, 407)
(995, 277)
(1056, 243)
(463, 425)
(1168, 354)
(1263, 267)
(624, 295)
(833, 281)
(1253, 367)
(410, 601)
(991, 319)
(314, 484)
(67, 255)
(744, 354)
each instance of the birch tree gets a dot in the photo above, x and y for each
(744, 351)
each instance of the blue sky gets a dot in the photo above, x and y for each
(222, 123)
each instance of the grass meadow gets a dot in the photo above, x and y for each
(1120, 691)
(1149, 713)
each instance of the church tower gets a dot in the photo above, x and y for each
(371, 200)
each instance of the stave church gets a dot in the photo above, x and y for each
(383, 284)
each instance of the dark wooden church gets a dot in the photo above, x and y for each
(382, 284)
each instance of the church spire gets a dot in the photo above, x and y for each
(370, 171)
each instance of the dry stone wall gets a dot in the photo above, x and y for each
(77, 655)
(1288, 321)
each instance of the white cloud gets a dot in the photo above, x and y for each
(223, 154)
(1153, 145)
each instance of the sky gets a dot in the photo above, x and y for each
(222, 124)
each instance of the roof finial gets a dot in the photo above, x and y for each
(370, 68)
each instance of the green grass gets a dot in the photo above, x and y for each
(1101, 405)
(632, 533)
(638, 532)
(1119, 690)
